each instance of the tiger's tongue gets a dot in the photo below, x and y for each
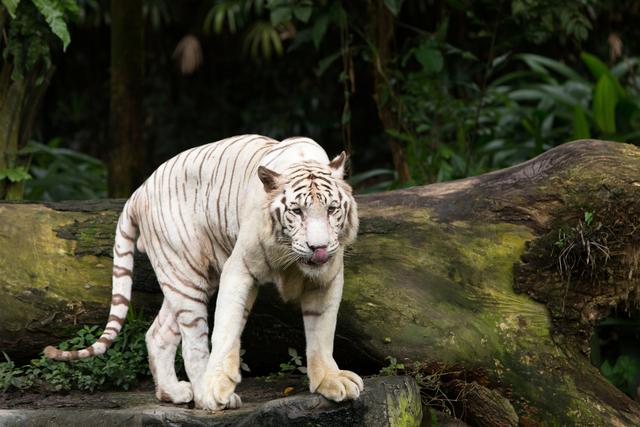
(320, 256)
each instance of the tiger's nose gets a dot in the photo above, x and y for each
(314, 247)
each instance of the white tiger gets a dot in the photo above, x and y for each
(232, 215)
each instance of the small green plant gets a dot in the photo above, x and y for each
(16, 174)
(585, 244)
(392, 368)
(289, 367)
(10, 376)
(623, 373)
(123, 365)
(588, 218)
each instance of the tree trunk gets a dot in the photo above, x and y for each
(20, 102)
(461, 277)
(126, 158)
(381, 29)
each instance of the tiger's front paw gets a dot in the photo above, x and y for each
(219, 392)
(341, 385)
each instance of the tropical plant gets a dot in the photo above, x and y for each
(269, 22)
(454, 127)
(122, 367)
(62, 174)
(30, 28)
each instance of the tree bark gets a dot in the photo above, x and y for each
(460, 277)
(126, 157)
(381, 29)
(20, 102)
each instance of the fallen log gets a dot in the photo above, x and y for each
(501, 277)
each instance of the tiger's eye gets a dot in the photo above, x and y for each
(331, 209)
(297, 211)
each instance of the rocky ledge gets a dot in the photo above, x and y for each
(386, 401)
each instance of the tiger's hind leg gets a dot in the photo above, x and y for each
(163, 338)
(194, 327)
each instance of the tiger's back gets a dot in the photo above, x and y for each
(195, 202)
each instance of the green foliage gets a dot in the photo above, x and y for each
(293, 364)
(56, 13)
(11, 6)
(454, 127)
(563, 97)
(289, 367)
(26, 45)
(32, 22)
(624, 373)
(543, 19)
(394, 6)
(123, 365)
(269, 22)
(262, 39)
(283, 11)
(393, 368)
(63, 174)
(373, 180)
(10, 375)
(15, 174)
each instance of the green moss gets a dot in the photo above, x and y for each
(31, 242)
(56, 282)
(94, 234)
(405, 408)
(467, 271)
(448, 291)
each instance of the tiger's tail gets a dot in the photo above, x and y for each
(123, 250)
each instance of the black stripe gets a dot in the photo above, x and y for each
(117, 299)
(121, 254)
(194, 322)
(312, 313)
(121, 271)
(173, 289)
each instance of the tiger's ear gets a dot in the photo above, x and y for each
(269, 178)
(337, 165)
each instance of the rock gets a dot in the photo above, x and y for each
(386, 401)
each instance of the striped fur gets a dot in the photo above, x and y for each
(232, 215)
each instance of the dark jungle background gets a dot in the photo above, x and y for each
(94, 95)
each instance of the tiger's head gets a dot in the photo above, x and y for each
(312, 210)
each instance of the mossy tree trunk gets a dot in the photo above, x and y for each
(460, 275)
(20, 101)
(126, 154)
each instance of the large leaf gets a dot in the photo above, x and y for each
(319, 29)
(604, 104)
(599, 69)
(302, 10)
(16, 174)
(54, 15)
(280, 11)
(11, 6)
(541, 64)
(326, 62)
(394, 6)
(580, 124)
(430, 58)
(595, 65)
